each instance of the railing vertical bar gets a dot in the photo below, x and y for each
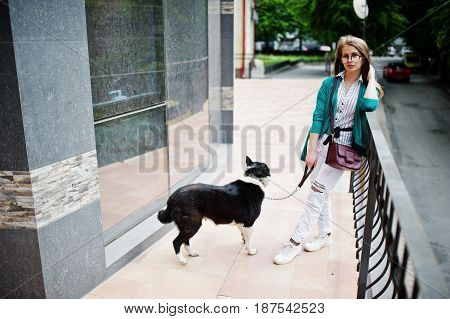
(403, 272)
(367, 236)
(352, 177)
(415, 292)
(394, 257)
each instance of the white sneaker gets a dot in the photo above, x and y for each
(318, 242)
(287, 254)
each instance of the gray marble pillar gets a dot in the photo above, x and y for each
(51, 243)
(227, 69)
(214, 70)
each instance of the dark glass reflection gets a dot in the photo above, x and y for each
(130, 136)
(186, 31)
(132, 157)
(126, 53)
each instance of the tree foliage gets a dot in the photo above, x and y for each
(440, 25)
(331, 19)
(385, 21)
(276, 17)
(327, 20)
(430, 35)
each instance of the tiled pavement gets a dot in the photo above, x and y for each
(271, 118)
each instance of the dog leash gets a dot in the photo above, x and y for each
(304, 178)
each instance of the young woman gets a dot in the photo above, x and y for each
(356, 92)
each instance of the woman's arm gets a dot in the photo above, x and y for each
(371, 92)
(316, 127)
(311, 155)
(370, 100)
(319, 111)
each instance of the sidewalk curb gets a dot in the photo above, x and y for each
(291, 67)
(382, 120)
(283, 69)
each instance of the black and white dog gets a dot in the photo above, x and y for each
(237, 203)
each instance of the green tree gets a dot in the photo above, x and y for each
(428, 33)
(276, 17)
(440, 29)
(418, 34)
(440, 24)
(385, 21)
(330, 19)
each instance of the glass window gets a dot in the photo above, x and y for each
(186, 24)
(126, 55)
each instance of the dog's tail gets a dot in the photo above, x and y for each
(164, 216)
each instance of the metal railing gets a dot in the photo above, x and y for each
(395, 259)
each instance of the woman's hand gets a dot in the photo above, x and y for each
(371, 74)
(311, 159)
(372, 85)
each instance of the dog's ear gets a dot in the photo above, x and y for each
(248, 161)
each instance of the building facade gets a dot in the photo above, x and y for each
(108, 107)
(245, 19)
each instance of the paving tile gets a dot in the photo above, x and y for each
(247, 280)
(186, 285)
(300, 293)
(121, 289)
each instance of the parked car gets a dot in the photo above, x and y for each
(290, 45)
(391, 51)
(412, 61)
(396, 71)
(259, 46)
(405, 50)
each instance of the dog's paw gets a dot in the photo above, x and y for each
(252, 251)
(190, 251)
(181, 259)
(194, 253)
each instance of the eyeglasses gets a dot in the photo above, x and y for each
(354, 57)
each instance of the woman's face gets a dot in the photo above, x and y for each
(351, 58)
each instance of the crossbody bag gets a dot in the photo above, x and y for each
(340, 156)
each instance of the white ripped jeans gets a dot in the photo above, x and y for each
(318, 209)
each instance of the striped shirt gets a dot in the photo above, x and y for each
(345, 111)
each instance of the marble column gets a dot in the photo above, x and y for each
(51, 243)
(227, 69)
(214, 70)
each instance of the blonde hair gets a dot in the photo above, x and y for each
(363, 49)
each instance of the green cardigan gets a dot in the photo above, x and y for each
(321, 116)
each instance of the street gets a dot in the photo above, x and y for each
(418, 118)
